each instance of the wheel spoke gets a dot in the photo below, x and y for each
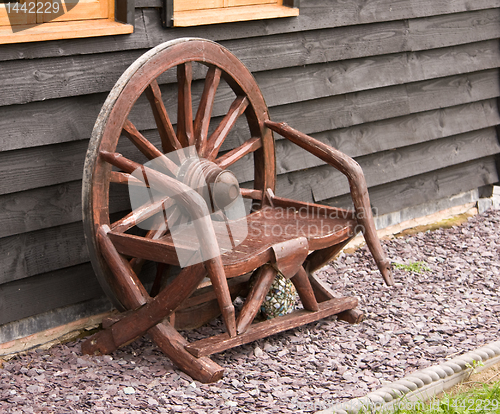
(119, 161)
(204, 113)
(142, 213)
(124, 178)
(142, 144)
(238, 153)
(169, 140)
(147, 148)
(185, 108)
(249, 193)
(219, 135)
(161, 269)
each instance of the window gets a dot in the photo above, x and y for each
(37, 20)
(180, 13)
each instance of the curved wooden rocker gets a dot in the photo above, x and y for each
(124, 252)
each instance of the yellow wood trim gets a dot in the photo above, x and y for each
(63, 30)
(84, 10)
(105, 8)
(183, 5)
(233, 3)
(31, 17)
(44, 11)
(53, 336)
(39, 16)
(111, 9)
(232, 14)
(15, 18)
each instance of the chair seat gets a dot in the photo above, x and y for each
(271, 226)
(261, 230)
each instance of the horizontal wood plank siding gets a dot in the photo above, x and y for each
(44, 292)
(279, 87)
(314, 15)
(42, 251)
(40, 166)
(389, 166)
(35, 80)
(424, 188)
(410, 88)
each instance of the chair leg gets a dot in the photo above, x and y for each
(255, 298)
(173, 345)
(217, 276)
(352, 316)
(143, 318)
(219, 343)
(305, 290)
(321, 291)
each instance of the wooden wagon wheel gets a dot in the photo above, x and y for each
(114, 126)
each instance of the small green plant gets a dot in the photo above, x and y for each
(416, 267)
(473, 367)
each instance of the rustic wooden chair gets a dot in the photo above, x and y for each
(122, 253)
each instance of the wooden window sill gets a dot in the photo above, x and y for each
(231, 14)
(63, 30)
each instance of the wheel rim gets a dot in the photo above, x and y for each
(193, 128)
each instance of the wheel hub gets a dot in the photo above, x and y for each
(219, 188)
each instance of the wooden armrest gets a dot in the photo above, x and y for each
(337, 159)
(357, 183)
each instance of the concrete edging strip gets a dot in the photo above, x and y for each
(421, 385)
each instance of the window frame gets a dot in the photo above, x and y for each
(100, 18)
(287, 8)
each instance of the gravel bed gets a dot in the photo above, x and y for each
(449, 309)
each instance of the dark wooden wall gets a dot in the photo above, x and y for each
(408, 87)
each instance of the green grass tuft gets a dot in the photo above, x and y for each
(482, 400)
(416, 267)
